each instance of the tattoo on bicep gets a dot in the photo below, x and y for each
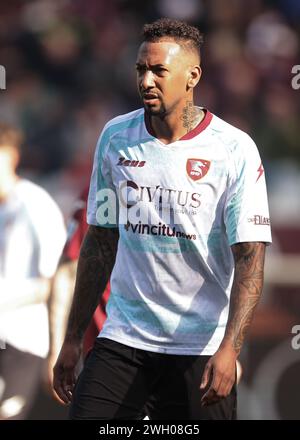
(246, 289)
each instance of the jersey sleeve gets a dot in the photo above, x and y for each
(246, 211)
(102, 208)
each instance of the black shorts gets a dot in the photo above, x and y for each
(122, 382)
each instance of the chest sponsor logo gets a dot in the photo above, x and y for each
(197, 168)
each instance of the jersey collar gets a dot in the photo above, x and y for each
(190, 135)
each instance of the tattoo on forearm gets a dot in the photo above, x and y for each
(246, 290)
(190, 116)
(97, 258)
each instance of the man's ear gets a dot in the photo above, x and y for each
(194, 76)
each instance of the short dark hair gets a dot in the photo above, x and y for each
(180, 31)
(10, 136)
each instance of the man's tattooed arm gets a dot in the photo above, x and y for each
(246, 290)
(191, 116)
(245, 293)
(96, 261)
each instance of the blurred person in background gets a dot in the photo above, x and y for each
(182, 293)
(32, 235)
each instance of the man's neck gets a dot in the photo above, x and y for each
(177, 124)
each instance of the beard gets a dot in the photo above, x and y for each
(154, 110)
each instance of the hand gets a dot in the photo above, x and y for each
(64, 376)
(221, 369)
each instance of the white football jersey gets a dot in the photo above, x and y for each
(32, 236)
(179, 207)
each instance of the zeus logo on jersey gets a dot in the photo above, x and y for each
(197, 168)
(130, 163)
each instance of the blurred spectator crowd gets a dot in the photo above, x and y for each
(70, 67)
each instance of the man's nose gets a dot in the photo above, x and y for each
(147, 80)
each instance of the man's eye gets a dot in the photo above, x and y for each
(159, 71)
